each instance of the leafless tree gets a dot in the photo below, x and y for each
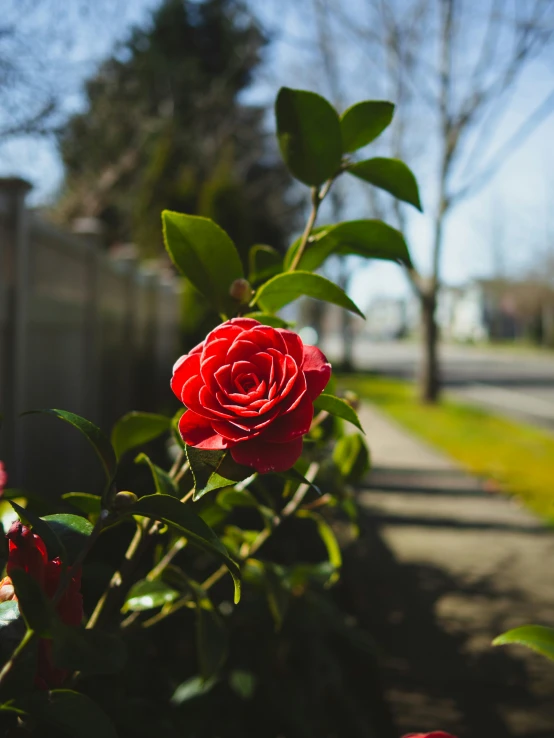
(46, 49)
(451, 67)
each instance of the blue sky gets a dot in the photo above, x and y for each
(515, 207)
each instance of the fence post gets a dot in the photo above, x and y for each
(14, 263)
(90, 231)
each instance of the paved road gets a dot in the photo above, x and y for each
(447, 569)
(515, 383)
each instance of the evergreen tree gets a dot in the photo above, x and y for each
(164, 128)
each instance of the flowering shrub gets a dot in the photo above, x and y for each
(260, 446)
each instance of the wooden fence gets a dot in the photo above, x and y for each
(78, 331)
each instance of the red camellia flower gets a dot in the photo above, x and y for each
(28, 552)
(250, 388)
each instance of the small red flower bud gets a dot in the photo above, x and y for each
(28, 553)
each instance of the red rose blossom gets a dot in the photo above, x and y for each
(28, 552)
(250, 388)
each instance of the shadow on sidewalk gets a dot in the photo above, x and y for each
(435, 676)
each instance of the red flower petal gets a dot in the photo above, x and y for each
(317, 370)
(186, 367)
(292, 424)
(232, 432)
(265, 337)
(197, 431)
(267, 457)
(241, 350)
(295, 347)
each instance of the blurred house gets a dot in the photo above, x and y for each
(483, 310)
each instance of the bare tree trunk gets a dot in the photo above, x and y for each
(429, 379)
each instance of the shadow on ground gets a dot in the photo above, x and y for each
(433, 621)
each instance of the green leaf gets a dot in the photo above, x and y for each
(293, 475)
(162, 481)
(213, 470)
(371, 239)
(205, 254)
(88, 651)
(53, 544)
(72, 531)
(135, 429)
(211, 633)
(9, 614)
(146, 595)
(85, 502)
(329, 539)
(72, 713)
(391, 175)
(243, 683)
(192, 688)
(263, 262)
(363, 122)
(265, 319)
(336, 406)
(94, 436)
(180, 516)
(285, 288)
(34, 606)
(537, 637)
(309, 135)
(351, 456)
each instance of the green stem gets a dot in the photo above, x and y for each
(9, 665)
(289, 509)
(318, 195)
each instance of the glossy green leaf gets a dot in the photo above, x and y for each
(211, 633)
(309, 135)
(85, 502)
(94, 436)
(329, 539)
(53, 544)
(34, 606)
(285, 288)
(162, 481)
(88, 651)
(293, 475)
(537, 637)
(336, 406)
(9, 613)
(192, 688)
(146, 595)
(72, 530)
(263, 262)
(205, 254)
(351, 456)
(72, 713)
(266, 319)
(243, 683)
(391, 175)
(181, 517)
(213, 470)
(135, 429)
(371, 239)
(363, 122)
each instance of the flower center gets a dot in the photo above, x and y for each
(247, 382)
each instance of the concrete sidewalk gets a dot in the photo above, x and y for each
(452, 567)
